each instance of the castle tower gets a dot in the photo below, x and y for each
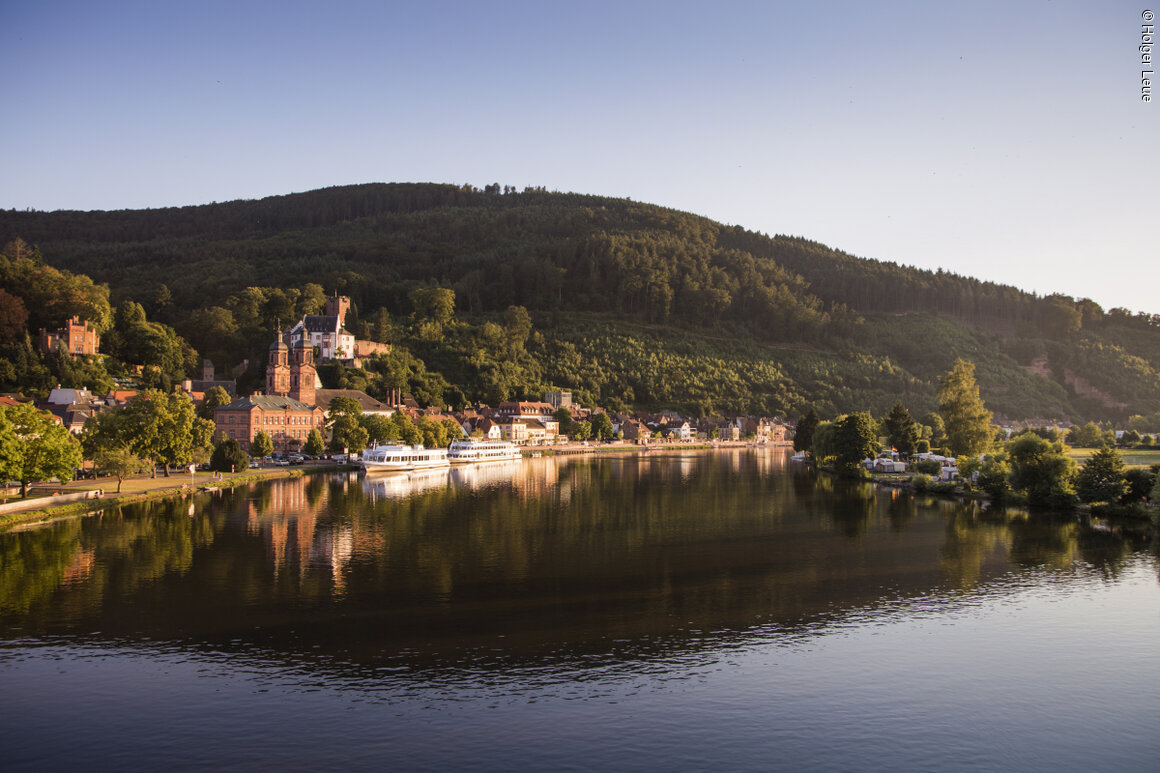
(278, 368)
(302, 372)
(337, 306)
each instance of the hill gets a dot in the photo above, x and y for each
(630, 304)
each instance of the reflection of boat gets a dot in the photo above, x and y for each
(402, 458)
(408, 483)
(475, 476)
(472, 450)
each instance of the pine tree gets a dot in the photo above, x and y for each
(902, 429)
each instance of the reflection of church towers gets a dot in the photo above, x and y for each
(290, 372)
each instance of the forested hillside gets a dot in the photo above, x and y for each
(629, 304)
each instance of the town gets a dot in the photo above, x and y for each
(205, 423)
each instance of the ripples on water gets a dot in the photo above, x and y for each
(780, 636)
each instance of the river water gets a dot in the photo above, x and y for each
(714, 610)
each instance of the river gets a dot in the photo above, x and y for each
(722, 610)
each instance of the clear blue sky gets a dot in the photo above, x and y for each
(1003, 140)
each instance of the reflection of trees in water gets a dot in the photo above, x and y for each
(851, 507)
(78, 563)
(976, 539)
(573, 553)
(901, 509)
(1039, 541)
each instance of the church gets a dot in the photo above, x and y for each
(288, 409)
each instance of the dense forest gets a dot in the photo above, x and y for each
(496, 293)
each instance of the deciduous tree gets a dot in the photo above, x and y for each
(1101, 477)
(314, 445)
(1040, 469)
(43, 449)
(855, 441)
(228, 456)
(803, 436)
(119, 462)
(968, 422)
(262, 445)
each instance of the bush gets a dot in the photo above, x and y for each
(921, 482)
(928, 466)
(228, 456)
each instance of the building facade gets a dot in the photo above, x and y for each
(77, 337)
(287, 412)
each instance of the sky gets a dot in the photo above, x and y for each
(1002, 140)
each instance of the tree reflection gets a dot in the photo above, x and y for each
(542, 554)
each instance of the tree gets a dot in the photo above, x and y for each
(347, 434)
(312, 300)
(382, 326)
(582, 430)
(314, 445)
(1040, 468)
(1101, 477)
(43, 449)
(119, 462)
(11, 452)
(994, 474)
(563, 418)
(902, 429)
(934, 430)
(435, 304)
(262, 445)
(1139, 484)
(855, 441)
(344, 405)
(602, 426)
(228, 456)
(517, 324)
(434, 432)
(968, 422)
(1087, 436)
(216, 397)
(13, 317)
(803, 436)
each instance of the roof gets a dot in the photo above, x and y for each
(323, 398)
(66, 396)
(321, 324)
(266, 403)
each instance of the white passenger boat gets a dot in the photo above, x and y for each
(473, 450)
(402, 458)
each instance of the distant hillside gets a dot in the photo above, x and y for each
(635, 290)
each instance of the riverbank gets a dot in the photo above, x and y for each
(58, 501)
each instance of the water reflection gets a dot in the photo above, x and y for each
(561, 560)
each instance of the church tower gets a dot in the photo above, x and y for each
(278, 368)
(302, 372)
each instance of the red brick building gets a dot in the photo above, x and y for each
(76, 337)
(287, 412)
